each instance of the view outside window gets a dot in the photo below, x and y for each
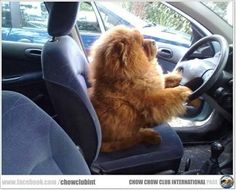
(161, 15)
(27, 21)
(24, 22)
(86, 19)
(224, 9)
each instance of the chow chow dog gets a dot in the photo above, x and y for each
(129, 91)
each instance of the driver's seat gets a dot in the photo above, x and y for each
(64, 71)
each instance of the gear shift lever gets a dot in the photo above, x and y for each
(216, 150)
(211, 166)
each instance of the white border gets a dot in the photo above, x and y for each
(113, 181)
(122, 181)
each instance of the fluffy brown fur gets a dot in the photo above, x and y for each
(128, 91)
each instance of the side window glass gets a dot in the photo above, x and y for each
(6, 15)
(86, 19)
(171, 21)
(168, 22)
(24, 22)
(110, 19)
(88, 25)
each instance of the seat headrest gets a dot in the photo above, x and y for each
(62, 17)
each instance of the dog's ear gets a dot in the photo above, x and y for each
(118, 52)
(122, 52)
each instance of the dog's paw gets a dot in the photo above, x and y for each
(149, 136)
(177, 77)
(173, 79)
(183, 92)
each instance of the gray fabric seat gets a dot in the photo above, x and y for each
(65, 73)
(33, 143)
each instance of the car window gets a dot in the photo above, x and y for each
(223, 9)
(24, 22)
(88, 25)
(6, 16)
(163, 17)
(109, 18)
(155, 20)
(86, 19)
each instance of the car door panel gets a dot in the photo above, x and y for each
(18, 61)
(168, 55)
(22, 72)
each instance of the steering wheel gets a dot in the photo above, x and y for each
(203, 73)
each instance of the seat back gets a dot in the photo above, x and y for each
(33, 143)
(64, 71)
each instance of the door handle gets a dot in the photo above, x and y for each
(34, 53)
(165, 53)
(34, 76)
(11, 79)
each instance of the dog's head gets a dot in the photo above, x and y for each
(121, 52)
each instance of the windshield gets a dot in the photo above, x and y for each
(224, 9)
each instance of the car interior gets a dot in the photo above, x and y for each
(49, 124)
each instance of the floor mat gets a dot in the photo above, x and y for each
(199, 154)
